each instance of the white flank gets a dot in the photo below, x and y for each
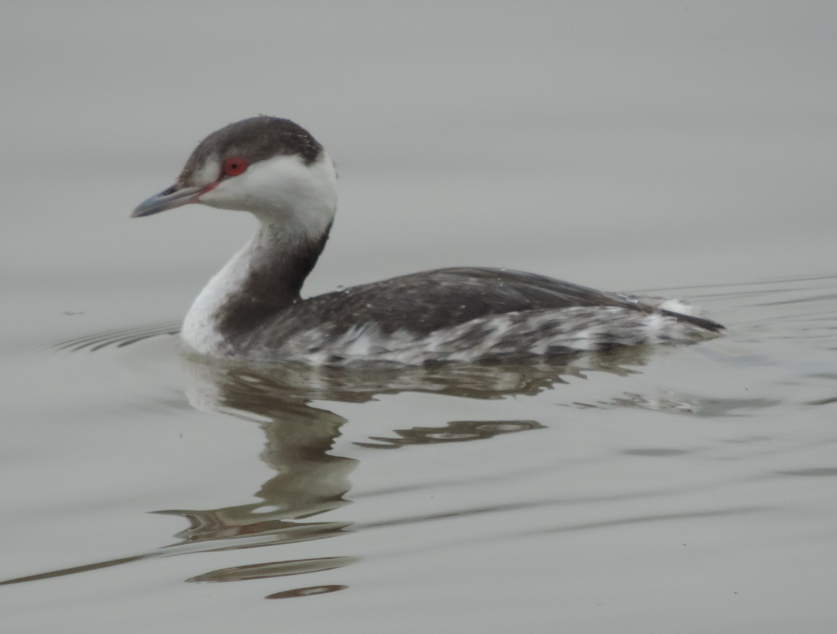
(537, 333)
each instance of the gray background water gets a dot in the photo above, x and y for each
(626, 146)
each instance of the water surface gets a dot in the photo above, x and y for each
(679, 151)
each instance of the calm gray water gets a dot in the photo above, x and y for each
(675, 149)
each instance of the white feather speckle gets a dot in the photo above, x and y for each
(679, 307)
(535, 333)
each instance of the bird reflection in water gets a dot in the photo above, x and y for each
(309, 481)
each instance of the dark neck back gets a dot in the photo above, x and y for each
(273, 281)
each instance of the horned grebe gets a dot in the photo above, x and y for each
(252, 308)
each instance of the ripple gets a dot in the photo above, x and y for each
(118, 338)
(274, 569)
(815, 472)
(306, 592)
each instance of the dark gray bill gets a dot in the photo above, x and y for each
(168, 199)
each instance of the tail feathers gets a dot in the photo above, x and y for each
(707, 324)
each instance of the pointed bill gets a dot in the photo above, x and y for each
(173, 197)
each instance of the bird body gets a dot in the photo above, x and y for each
(252, 309)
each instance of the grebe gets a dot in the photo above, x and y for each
(252, 308)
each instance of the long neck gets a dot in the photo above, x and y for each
(260, 281)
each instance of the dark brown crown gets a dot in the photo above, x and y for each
(253, 140)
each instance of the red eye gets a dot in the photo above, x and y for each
(234, 166)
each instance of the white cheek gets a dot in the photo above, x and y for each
(282, 189)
